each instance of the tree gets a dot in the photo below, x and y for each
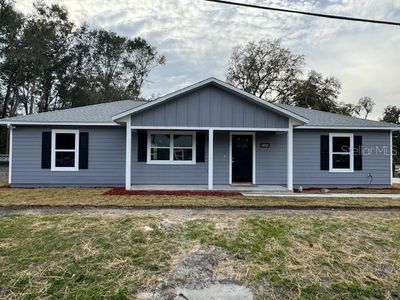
(108, 67)
(366, 104)
(11, 25)
(48, 63)
(48, 36)
(265, 69)
(316, 92)
(391, 114)
(268, 70)
(348, 109)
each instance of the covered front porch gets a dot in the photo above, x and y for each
(268, 156)
(221, 188)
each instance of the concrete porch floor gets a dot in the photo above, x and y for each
(245, 188)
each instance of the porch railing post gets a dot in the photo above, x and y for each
(128, 155)
(391, 158)
(290, 156)
(210, 159)
(10, 154)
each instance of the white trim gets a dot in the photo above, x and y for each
(219, 83)
(347, 128)
(290, 157)
(207, 128)
(58, 123)
(253, 134)
(210, 159)
(391, 158)
(10, 152)
(128, 155)
(54, 132)
(351, 153)
(171, 148)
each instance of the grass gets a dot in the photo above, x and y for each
(394, 190)
(95, 197)
(279, 257)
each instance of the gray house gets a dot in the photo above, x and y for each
(210, 134)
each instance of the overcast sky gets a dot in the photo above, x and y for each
(197, 38)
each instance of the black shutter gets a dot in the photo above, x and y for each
(142, 146)
(358, 160)
(324, 152)
(200, 146)
(83, 150)
(46, 150)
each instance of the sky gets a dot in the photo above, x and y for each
(197, 38)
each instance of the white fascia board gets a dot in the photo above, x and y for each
(57, 123)
(348, 128)
(207, 128)
(221, 84)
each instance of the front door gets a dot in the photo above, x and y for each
(242, 158)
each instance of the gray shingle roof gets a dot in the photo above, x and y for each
(91, 114)
(325, 119)
(103, 113)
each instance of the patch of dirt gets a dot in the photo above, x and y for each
(195, 276)
(395, 189)
(123, 192)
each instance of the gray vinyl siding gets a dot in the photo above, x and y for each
(210, 107)
(221, 157)
(153, 174)
(106, 159)
(271, 163)
(306, 169)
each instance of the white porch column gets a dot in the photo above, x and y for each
(128, 155)
(290, 156)
(391, 157)
(210, 159)
(10, 152)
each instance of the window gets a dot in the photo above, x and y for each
(171, 148)
(64, 150)
(341, 156)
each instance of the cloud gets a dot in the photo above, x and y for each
(197, 38)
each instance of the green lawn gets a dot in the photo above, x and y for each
(315, 256)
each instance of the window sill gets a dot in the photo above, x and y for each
(341, 171)
(171, 162)
(64, 169)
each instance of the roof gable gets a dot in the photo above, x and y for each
(219, 84)
(209, 106)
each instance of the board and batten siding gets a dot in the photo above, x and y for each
(306, 168)
(210, 107)
(106, 159)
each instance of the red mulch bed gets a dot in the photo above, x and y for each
(123, 192)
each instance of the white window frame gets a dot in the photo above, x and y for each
(54, 132)
(331, 153)
(171, 160)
